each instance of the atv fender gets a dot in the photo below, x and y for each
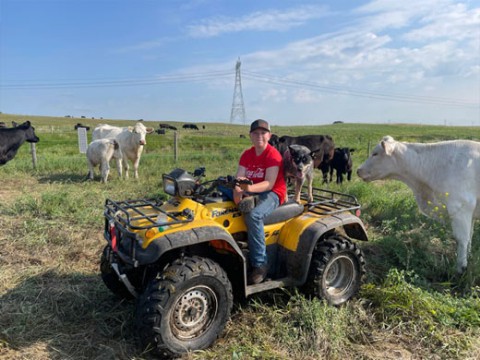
(297, 250)
(179, 239)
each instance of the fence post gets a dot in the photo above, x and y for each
(33, 150)
(82, 140)
(175, 146)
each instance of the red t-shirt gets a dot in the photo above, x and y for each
(256, 167)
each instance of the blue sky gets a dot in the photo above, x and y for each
(303, 62)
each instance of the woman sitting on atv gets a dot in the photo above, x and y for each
(262, 164)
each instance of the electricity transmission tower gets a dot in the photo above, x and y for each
(238, 107)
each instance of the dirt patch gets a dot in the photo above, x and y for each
(8, 194)
(13, 188)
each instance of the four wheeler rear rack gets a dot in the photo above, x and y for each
(143, 211)
(328, 202)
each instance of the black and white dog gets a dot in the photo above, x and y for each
(298, 165)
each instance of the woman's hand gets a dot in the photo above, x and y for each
(243, 185)
(238, 194)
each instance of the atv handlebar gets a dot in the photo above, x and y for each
(222, 181)
(230, 181)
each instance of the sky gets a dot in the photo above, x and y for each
(301, 62)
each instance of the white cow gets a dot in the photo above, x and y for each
(100, 152)
(131, 140)
(443, 176)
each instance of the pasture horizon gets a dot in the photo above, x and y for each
(98, 120)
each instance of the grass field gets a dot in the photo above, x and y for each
(53, 304)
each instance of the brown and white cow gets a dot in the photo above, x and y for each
(131, 140)
(443, 177)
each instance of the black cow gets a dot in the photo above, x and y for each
(160, 131)
(342, 163)
(2, 124)
(323, 143)
(190, 126)
(82, 126)
(167, 126)
(275, 141)
(12, 138)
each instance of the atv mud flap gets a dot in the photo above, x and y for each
(124, 279)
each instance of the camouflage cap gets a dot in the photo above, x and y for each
(259, 124)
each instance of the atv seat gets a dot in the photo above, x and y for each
(284, 212)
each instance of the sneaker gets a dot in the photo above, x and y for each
(257, 275)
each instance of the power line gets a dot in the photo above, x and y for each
(119, 83)
(253, 76)
(336, 89)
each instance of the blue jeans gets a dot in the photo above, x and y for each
(267, 202)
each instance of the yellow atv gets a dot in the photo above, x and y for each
(187, 258)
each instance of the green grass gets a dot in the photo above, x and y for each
(53, 304)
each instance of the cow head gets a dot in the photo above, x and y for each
(345, 158)
(29, 132)
(274, 140)
(139, 132)
(381, 164)
(283, 143)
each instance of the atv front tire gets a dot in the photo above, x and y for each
(336, 271)
(186, 307)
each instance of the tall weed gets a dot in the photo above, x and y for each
(426, 316)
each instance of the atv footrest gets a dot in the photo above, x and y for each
(269, 284)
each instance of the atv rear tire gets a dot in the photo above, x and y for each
(186, 307)
(337, 270)
(110, 277)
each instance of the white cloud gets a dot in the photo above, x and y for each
(146, 45)
(272, 20)
(454, 21)
(396, 13)
(370, 52)
(303, 96)
(274, 95)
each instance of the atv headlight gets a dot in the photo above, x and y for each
(179, 183)
(169, 186)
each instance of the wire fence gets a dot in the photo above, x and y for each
(65, 148)
(61, 143)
